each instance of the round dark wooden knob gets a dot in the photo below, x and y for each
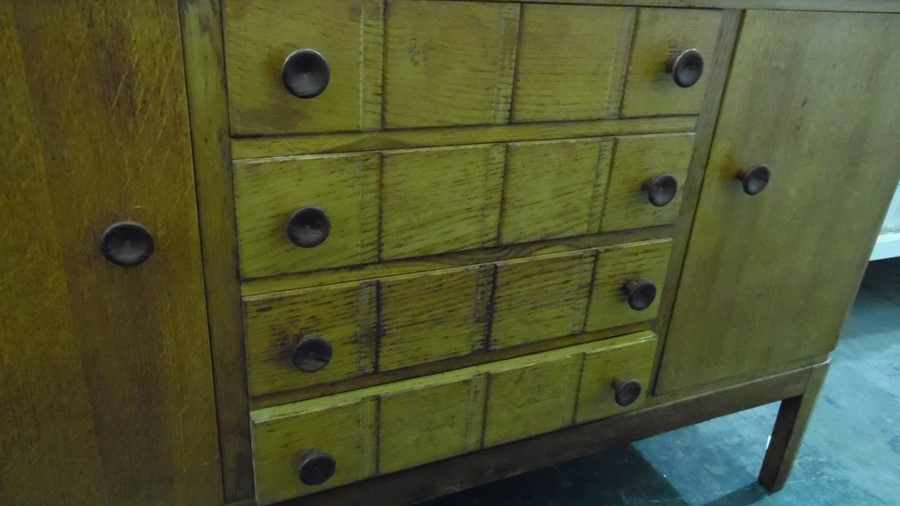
(317, 468)
(661, 189)
(311, 354)
(306, 73)
(309, 227)
(127, 244)
(640, 294)
(686, 68)
(754, 180)
(627, 391)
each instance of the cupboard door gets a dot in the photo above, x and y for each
(769, 278)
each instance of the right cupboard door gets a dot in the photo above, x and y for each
(769, 278)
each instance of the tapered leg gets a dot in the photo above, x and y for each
(790, 425)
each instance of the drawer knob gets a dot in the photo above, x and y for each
(661, 190)
(317, 468)
(306, 73)
(127, 244)
(311, 354)
(754, 180)
(640, 294)
(627, 391)
(309, 227)
(686, 68)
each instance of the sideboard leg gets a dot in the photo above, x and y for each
(790, 425)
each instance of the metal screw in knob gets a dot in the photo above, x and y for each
(311, 354)
(306, 73)
(661, 190)
(640, 294)
(627, 391)
(127, 244)
(754, 180)
(308, 227)
(686, 68)
(317, 468)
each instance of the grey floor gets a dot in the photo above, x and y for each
(850, 455)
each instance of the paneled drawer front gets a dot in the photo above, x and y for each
(315, 336)
(314, 445)
(644, 168)
(628, 283)
(448, 63)
(541, 298)
(571, 59)
(330, 200)
(662, 36)
(439, 200)
(259, 37)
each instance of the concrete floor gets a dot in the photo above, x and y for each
(850, 455)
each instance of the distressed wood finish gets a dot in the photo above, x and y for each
(448, 63)
(259, 35)
(816, 5)
(106, 382)
(636, 161)
(422, 419)
(661, 34)
(833, 153)
(570, 62)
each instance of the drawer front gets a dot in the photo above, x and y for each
(429, 317)
(541, 299)
(570, 64)
(448, 63)
(631, 268)
(640, 165)
(662, 35)
(259, 37)
(316, 336)
(400, 425)
(334, 198)
(554, 189)
(440, 200)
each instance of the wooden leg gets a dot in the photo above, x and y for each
(790, 425)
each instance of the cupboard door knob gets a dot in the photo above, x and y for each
(661, 190)
(309, 227)
(754, 180)
(627, 391)
(686, 68)
(640, 294)
(306, 73)
(317, 468)
(127, 244)
(311, 354)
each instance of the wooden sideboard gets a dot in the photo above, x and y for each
(259, 250)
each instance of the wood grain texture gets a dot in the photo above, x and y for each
(439, 478)
(105, 382)
(423, 419)
(448, 63)
(636, 160)
(554, 189)
(830, 145)
(568, 62)
(260, 34)
(631, 360)
(661, 34)
(267, 193)
(541, 299)
(204, 61)
(815, 5)
(617, 265)
(243, 148)
(344, 315)
(429, 317)
(440, 200)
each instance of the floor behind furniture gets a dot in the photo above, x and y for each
(850, 455)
